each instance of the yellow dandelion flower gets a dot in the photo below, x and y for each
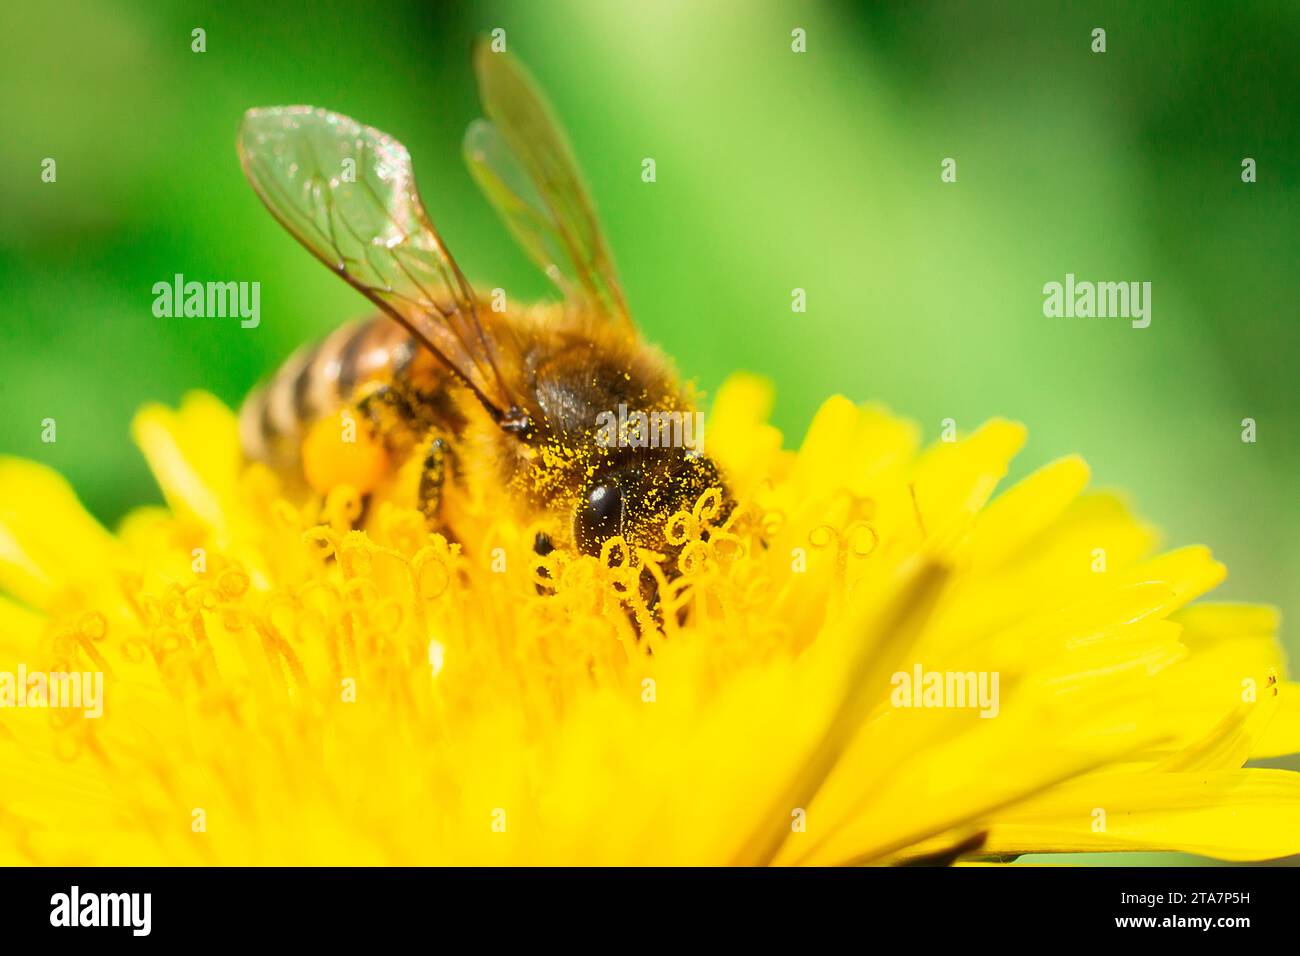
(279, 688)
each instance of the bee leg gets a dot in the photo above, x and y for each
(389, 410)
(432, 472)
(542, 546)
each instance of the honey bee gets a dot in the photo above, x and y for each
(475, 396)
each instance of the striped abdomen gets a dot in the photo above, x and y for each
(316, 381)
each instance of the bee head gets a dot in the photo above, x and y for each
(635, 495)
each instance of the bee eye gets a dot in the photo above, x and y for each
(599, 517)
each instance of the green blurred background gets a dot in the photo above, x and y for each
(775, 171)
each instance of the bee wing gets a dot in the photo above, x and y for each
(520, 158)
(348, 194)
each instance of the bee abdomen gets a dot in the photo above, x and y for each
(314, 382)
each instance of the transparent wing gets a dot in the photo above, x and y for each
(520, 158)
(347, 193)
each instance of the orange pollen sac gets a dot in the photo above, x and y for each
(343, 450)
